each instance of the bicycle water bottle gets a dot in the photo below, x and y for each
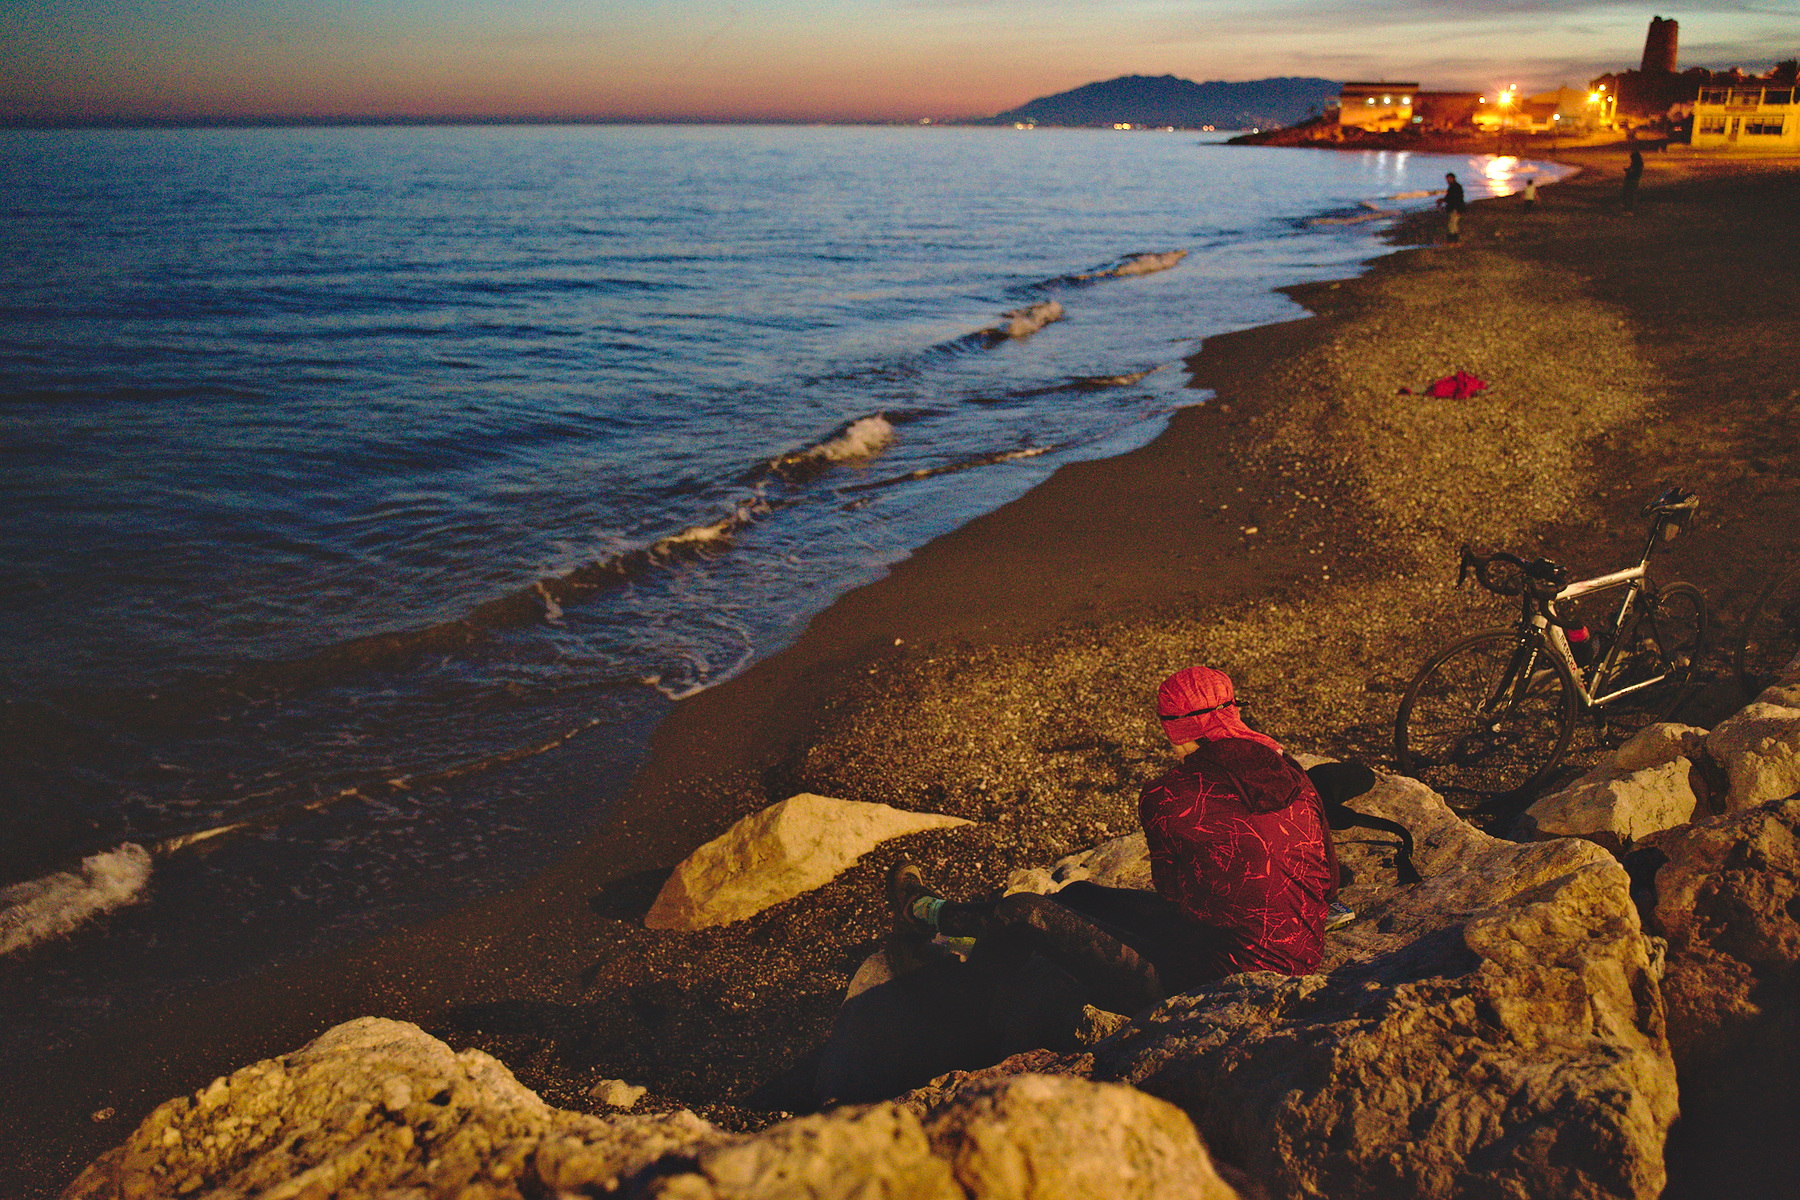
(1581, 646)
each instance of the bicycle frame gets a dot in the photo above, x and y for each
(1590, 682)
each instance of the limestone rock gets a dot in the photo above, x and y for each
(944, 1090)
(1728, 900)
(1039, 1137)
(1759, 748)
(1643, 787)
(1494, 1030)
(781, 852)
(1616, 813)
(879, 1151)
(379, 1109)
(616, 1093)
(371, 1107)
(1035, 880)
(1653, 746)
(1020, 1137)
(1123, 862)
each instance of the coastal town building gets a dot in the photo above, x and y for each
(1747, 119)
(1438, 111)
(1565, 110)
(1377, 107)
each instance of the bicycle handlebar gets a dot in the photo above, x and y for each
(1541, 577)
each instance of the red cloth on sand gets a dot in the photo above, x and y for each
(1459, 386)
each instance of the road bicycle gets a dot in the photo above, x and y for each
(1495, 712)
(1770, 637)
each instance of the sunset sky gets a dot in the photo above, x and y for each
(792, 59)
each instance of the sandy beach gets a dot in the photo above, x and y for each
(1299, 530)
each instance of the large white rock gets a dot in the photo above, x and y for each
(377, 1108)
(1759, 748)
(1044, 1137)
(785, 850)
(1641, 788)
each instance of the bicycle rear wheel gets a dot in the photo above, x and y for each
(1491, 714)
(1666, 637)
(1771, 635)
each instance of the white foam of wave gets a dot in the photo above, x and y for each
(61, 902)
(711, 536)
(1125, 380)
(552, 610)
(702, 668)
(1145, 264)
(1021, 322)
(860, 439)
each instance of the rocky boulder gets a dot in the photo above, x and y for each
(1495, 1030)
(783, 851)
(371, 1108)
(1728, 901)
(377, 1108)
(1646, 785)
(1122, 862)
(1759, 748)
(1023, 1137)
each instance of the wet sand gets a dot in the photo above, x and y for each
(1004, 672)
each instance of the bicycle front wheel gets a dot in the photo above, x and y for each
(1664, 641)
(1491, 714)
(1771, 635)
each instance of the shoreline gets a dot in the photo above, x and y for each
(1028, 640)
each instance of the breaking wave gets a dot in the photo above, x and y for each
(1095, 383)
(1023, 322)
(860, 439)
(1145, 263)
(542, 600)
(962, 464)
(59, 903)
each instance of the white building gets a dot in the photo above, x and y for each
(1380, 107)
(1747, 118)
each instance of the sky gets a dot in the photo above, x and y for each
(794, 60)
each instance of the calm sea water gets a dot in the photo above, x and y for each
(369, 494)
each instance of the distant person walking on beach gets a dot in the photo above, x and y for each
(1528, 197)
(1453, 205)
(1634, 170)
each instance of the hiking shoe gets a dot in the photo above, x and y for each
(1338, 915)
(906, 884)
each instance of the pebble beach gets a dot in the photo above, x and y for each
(1299, 530)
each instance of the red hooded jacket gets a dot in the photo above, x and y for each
(1238, 842)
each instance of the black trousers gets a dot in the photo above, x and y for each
(1128, 948)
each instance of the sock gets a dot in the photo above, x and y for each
(925, 909)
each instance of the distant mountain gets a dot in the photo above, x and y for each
(1166, 100)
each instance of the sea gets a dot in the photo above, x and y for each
(367, 495)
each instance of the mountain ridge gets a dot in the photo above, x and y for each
(1159, 100)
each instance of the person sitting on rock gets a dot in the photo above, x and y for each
(1238, 838)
